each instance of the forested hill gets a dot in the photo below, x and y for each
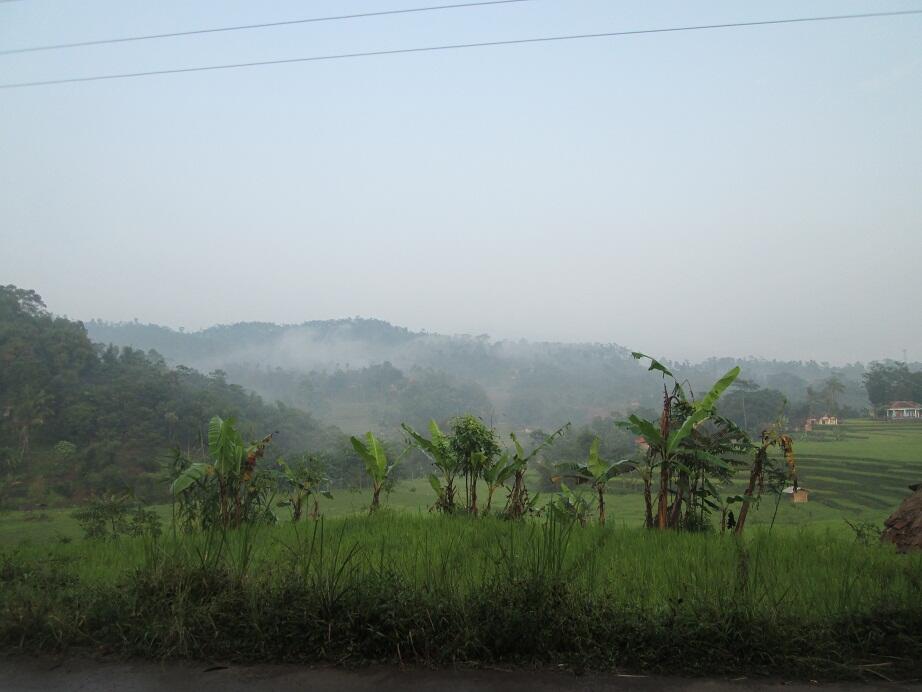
(360, 373)
(78, 417)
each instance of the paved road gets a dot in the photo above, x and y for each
(53, 675)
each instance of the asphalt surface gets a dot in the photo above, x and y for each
(22, 674)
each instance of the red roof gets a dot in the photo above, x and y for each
(904, 404)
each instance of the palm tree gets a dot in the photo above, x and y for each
(833, 388)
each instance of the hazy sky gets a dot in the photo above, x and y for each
(749, 191)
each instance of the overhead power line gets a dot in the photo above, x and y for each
(457, 46)
(264, 25)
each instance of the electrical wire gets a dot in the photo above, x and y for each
(456, 46)
(264, 25)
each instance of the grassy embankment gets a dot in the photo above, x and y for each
(436, 590)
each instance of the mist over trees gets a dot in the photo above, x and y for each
(368, 374)
(78, 417)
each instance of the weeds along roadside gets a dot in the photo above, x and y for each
(437, 590)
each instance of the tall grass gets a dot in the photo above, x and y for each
(437, 590)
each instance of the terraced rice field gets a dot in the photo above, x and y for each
(860, 465)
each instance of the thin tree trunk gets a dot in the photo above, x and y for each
(677, 505)
(375, 501)
(663, 497)
(753, 478)
(601, 490)
(648, 500)
(664, 472)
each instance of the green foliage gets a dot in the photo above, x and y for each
(438, 449)
(887, 382)
(108, 517)
(227, 490)
(569, 505)
(302, 480)
(518, 503)
(597, 472)
(372, 453)
(689, 447)
(474, 446)
(120, 408)
(753, 410)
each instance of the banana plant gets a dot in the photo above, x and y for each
(772, 437)
(376, 465)
(664, 440)
(439, 452)
(304, 480)
(232, 464)
(495, 476)
(518, 504)
(597, 472)
(569, 505)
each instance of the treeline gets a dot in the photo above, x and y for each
(77, 417)
(888, 382)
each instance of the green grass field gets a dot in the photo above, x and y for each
(860, 468)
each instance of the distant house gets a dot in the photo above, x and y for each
(822, 420)
(902, 410)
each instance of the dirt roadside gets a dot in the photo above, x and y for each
(23, 674)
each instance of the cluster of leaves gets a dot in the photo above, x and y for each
(226, 490)
(303, 480)
(471, 450)
(377, 466)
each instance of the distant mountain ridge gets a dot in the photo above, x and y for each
(336, 369)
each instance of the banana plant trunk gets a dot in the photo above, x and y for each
(676, 512)
(375, 498)
(663, 497)
(664, 469)
(753, 478)
(517, 496)
(601, 491)
(648, 500)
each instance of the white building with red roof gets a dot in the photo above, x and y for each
(904, 410)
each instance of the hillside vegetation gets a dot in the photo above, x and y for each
(77, 416)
